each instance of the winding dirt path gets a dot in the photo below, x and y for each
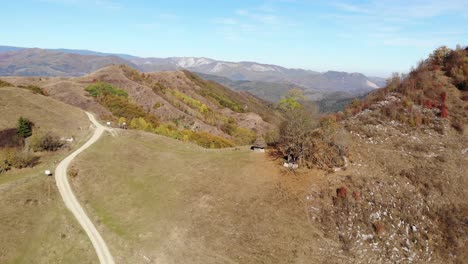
(72, 203)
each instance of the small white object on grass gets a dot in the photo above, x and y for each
(48, 173)
(108, 123)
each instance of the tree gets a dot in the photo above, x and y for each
(122, 120)
(24, 128)
(439, 55)
(296, 133)
(292, 100)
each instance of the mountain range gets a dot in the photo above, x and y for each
(267, 81)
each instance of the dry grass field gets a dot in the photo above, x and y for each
(157, 199)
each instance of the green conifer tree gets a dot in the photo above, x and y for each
(24, 128)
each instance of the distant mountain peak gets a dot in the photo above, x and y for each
(65, 62)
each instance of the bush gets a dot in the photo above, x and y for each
(45, 142)
(23, 159)
(73, 172)
(35, 89)
(101, 88)
(13, 158)
(271, 137)
(157, 105)
(5, 164)
(5, 84)
(207, 140)
(458, 125)
(244, 136)
(122, 107)
(10, 138)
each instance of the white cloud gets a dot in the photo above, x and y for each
(409, 9)
(408, 23)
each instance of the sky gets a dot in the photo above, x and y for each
(375, 37)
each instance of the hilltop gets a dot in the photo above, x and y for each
(173, 102)
(401, 193)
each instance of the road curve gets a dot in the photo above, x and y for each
(72, 203)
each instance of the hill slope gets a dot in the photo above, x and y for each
(181, 101)
(403, 196)
(36, 226)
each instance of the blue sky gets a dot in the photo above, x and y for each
(375, 37)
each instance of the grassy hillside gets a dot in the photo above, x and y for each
(173, 202)
(45, 112)
(35, 225)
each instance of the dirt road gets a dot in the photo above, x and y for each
(72, 203)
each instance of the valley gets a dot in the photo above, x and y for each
(161, 132)
(242, 76)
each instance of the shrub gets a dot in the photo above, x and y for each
(427, 104)
(24, 128)
(45, 142)
(357, 196)
(342, 192)
(5, 164)
(5, 84)
(24, 159)
(122, 107)
(101, 88)
(141, 124)
(378, 228)
(458, 125)
(244, 136)
(35, 89)
(271, 137)
(191, 102)
(443, 111)
(10, 138)
(122, 120)
(443, 97)
(17, 159)
(208, 140)
(73, 172)
(157, 105)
